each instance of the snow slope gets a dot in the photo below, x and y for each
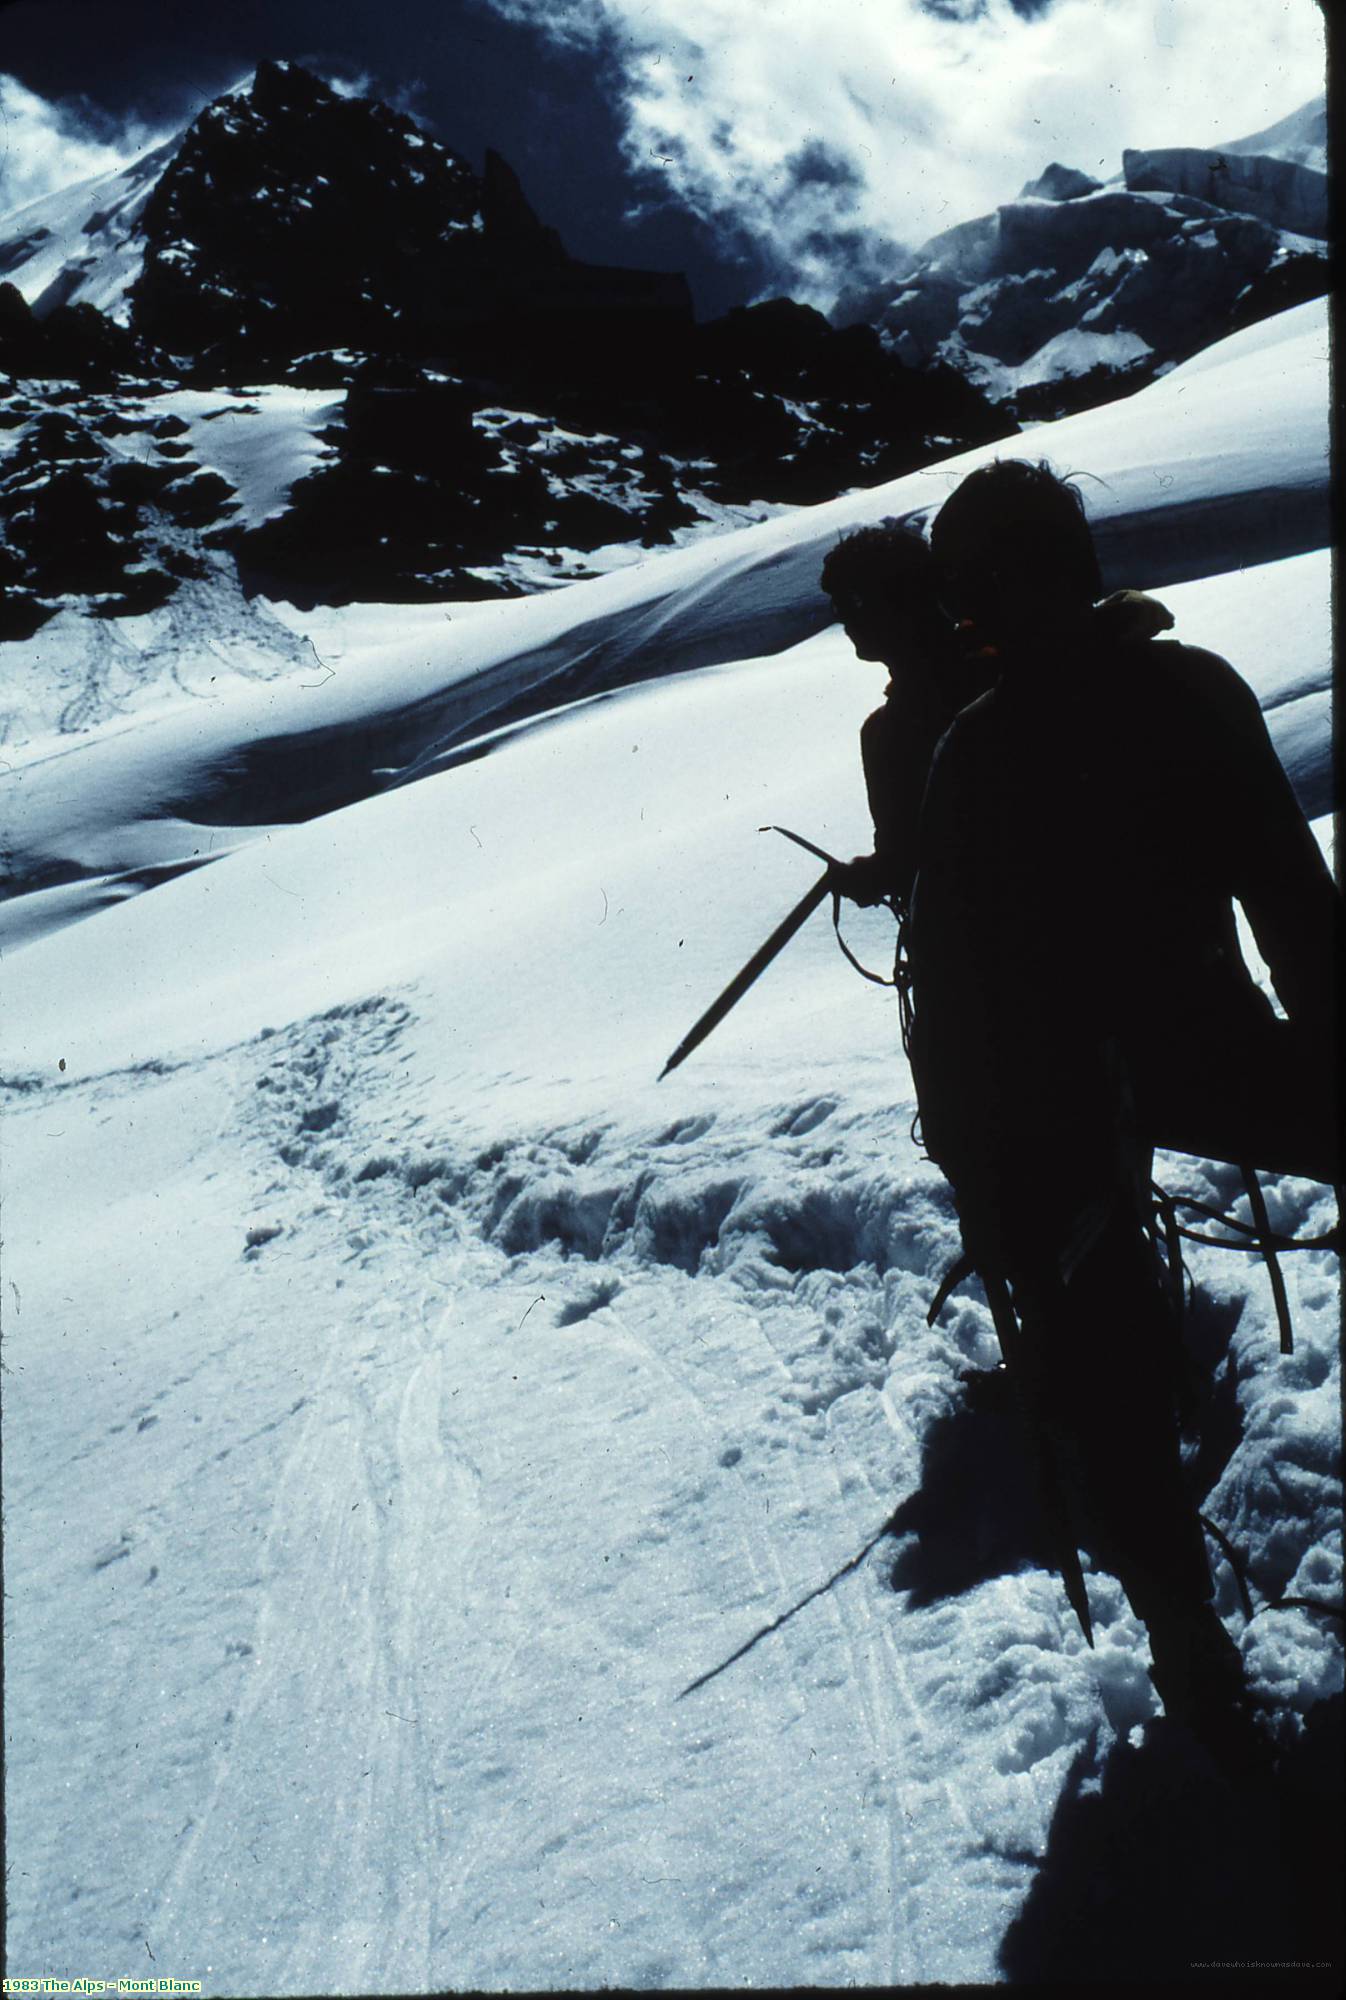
(261, 441)
(1224, 462)
(79, 246)
(408, 1397)
(1301, 138)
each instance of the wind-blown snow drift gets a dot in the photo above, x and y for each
(408, 1396)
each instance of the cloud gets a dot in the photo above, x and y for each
(358, 84)
(405, 94)
(46, 146)
(824, 132)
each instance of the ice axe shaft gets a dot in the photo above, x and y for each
(760, 959)
(752, 971)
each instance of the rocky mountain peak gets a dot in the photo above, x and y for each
(287, 89)
(508, 218)
(294, 217)
(1079, 290)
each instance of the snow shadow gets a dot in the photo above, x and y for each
(1159, 1867)
(975, 1514)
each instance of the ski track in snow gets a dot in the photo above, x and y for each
(447, 1745)
(307, 1514)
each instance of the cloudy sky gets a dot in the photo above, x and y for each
(782, 146)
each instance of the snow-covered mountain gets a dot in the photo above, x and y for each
(491, 402)
(81, 245)
(511, 415)
(1301, 138)
(1078, 288)
(407, 1398)
(1245, 421)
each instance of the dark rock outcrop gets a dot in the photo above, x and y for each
(1058, 183)
(787, 407)
(508, 409)
(82, 524)
(72, 343)
(426, 495)
(294, 220)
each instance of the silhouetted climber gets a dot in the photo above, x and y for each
(882, 582)
(884, 586)
(1079, 997)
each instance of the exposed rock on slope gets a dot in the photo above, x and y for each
(89, 521)
(510, 414)
(70, 342)
(503, 415)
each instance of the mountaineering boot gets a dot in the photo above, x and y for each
(1197, 1673)
(987, 1388)
(1195, 1660)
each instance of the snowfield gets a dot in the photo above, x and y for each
(1229, 470)
(260, 441)
(407, 1397)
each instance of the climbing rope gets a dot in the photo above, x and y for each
(877, 978)
(1257, 1238)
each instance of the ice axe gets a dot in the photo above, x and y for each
(761, 958)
